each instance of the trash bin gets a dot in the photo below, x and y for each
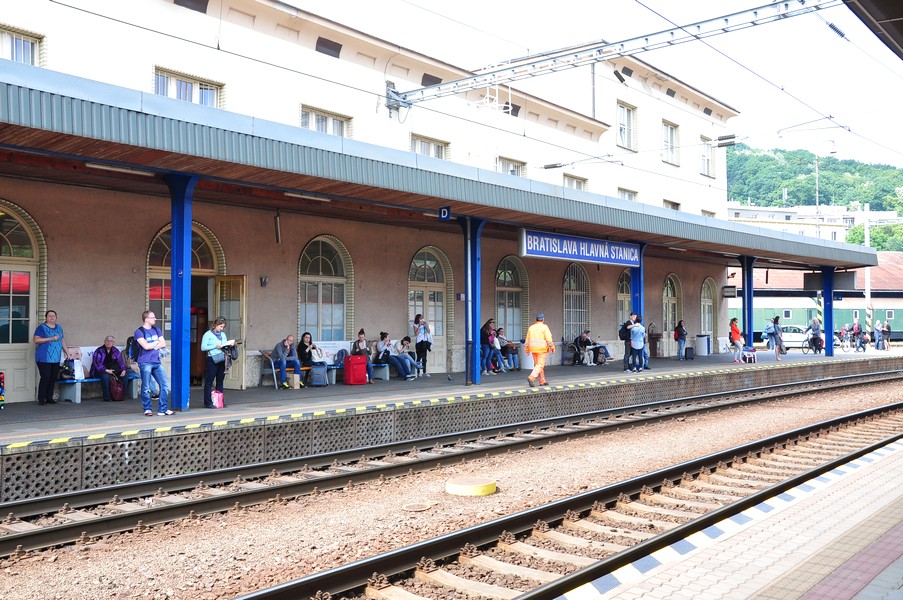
(655, 345)
(703, 344)
(526, 360)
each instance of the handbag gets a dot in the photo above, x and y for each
(117, 391)
(384, 357)
(216, 398)
(232, 350)
(218, 358)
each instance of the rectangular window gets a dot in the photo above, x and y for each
(324, 122)
(889, 315)
(575, 183)
(788, 314)
(19, 47)
(669, 143)
(187, 89)
(511, 167)
(708, 213)
(671, 205)
(428, 147)
(626, 195)
(626, 126)
(856, 314)
(705, 157)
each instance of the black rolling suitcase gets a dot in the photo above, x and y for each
(318, 376)
(689, 353)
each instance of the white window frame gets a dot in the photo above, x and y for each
(625, 194)
(788, 315)
(325, 122)
(429, 147)
(889, 314)
(172, 84)
(670, 142)
(511, 166)
(626, 126)
(9, 38)
(706, 163)
(575, 183)
(671, 204)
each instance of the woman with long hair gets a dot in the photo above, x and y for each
(212, 343)
(423, 341)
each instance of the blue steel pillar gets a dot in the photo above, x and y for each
(746, 264)
(473, 232)
(181, 188)
(638, 284)
(827, 295)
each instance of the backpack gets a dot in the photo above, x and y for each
(856, 329)
(676, 334)
(132, 349)
(769, 329)
(340, 357)
(624, 333)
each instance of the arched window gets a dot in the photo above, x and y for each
(16, 278)
(670, 304)
(323, 284)
(426, 290)
(576, 301)
(707, 308)
(509, 292)
(623, 297)
(159, 265)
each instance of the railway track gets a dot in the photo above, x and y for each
(34, 524)
(544, 552)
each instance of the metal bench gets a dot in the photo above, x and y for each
(268, 354)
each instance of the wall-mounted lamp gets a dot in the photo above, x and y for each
(264, 280)
(620, 77)
(603, 298)
(276, 224)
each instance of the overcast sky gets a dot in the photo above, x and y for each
(784, 78)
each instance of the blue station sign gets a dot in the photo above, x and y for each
(543, 244)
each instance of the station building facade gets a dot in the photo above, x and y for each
(240, 159)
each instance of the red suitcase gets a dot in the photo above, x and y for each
(355, 369)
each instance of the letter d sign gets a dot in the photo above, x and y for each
(445, 213)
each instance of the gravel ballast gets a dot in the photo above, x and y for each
(226, 555)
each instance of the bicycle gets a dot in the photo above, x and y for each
(845, 342)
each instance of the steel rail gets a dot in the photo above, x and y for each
(356, 575)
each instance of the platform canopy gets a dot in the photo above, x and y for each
(65, 129)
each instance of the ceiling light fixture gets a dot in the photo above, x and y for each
(307, 197)
(117, 169)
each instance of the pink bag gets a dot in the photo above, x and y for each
(217, 399)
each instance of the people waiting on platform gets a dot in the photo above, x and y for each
(508, 349)
(423, 341)
(879, 336)
(587, 352)
(885, 335)
(736, 340)
(813, 332)
(638, 343)
(284, 355)
(680, 336)
(50, 344)
(777, 336)
(387, 354)
(107, 364)
(214, 344)
(402, 349)
(361, 347)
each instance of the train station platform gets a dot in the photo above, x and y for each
(22, 424)
(838, 536)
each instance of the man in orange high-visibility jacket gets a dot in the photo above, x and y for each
(539, 343)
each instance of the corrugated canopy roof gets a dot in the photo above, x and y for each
(51, 125)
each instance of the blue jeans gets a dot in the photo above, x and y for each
(637, 358)
(156, 372)
(513, 360)
(403, 370)
(681, 345)
(405, 359)
(486, 357)
(294, 362)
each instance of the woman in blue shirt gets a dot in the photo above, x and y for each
(48, 337)
(212, 343)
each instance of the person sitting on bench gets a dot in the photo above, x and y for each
(107, 363)
(284, 354)
(585, 347)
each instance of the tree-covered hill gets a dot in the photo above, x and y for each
(762, 176)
